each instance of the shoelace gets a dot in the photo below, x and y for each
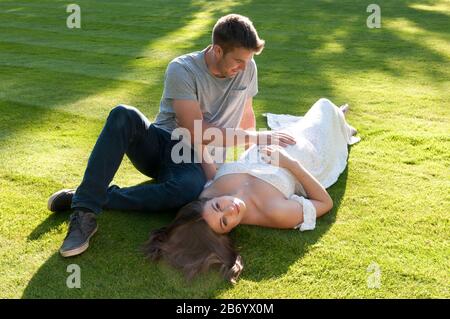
(75, 223)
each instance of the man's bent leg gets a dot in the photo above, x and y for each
(124, 128)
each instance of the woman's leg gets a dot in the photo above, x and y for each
(323, 109)
(345, 108)
(322, 137)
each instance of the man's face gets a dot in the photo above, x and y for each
(230, 64)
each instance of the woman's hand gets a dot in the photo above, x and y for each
(277, 156)
(274, 138)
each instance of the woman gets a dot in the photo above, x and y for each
(268, 186)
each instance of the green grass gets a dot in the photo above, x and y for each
(391, 203)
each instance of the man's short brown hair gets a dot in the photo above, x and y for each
(236, 31)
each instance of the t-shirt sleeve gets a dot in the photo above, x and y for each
(253, 88)
(179, 83)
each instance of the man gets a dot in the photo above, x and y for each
(215, 87)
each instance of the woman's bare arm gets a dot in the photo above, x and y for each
(314, 190)
(288, 213)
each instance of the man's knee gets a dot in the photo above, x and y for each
(121, 115)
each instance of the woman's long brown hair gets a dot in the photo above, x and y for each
(190, 245)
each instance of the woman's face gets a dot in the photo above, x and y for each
(223, 213)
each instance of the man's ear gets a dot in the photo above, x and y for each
(218, 52)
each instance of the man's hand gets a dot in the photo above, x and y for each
(274, 138)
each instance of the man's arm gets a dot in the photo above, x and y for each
(188, 112)
(248, 121)
(207, 163)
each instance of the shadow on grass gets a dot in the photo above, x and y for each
(29, 76)
(113, 265)
(295, 37)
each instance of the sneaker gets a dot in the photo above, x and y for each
(82, 227)
(61, 200)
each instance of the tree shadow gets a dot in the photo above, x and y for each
(59, 66)
(312, 46)
(368, 49)
(293, 70)
(115, 256)
(54, 220)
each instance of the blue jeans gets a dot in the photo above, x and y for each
(128, 131)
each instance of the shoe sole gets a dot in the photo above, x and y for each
(53, 198)
(79, 250)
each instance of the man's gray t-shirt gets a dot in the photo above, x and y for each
(221, 100)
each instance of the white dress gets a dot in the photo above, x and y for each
(322, 136)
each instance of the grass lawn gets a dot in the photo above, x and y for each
(392, 202)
